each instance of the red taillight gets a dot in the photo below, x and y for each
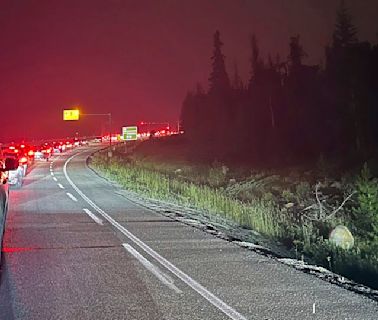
(30, 153)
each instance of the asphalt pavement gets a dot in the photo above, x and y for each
(76, 248)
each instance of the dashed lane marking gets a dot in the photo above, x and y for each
(93, 216)
(71, 196)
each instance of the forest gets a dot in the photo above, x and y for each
(289, 113)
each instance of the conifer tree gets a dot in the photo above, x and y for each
(237, 82)
(219, 81)
(296, 53)
(345, 33)
(257, 64)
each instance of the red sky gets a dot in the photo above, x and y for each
(138, 58)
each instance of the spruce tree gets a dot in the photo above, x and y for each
(237, 82)
(345, 33)
(257, 64)
(219, 81)
(296, 52)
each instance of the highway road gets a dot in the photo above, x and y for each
(76, 248)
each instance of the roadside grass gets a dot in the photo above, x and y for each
(274, 205)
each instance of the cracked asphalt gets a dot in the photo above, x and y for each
(75, 248)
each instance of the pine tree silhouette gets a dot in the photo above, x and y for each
(345, 33)
(219, 81)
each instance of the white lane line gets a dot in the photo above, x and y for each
(213, 299)
(165, 279)
(93, 216)
(60, 186)
(55, 179)
(52, 173)
(71, 196)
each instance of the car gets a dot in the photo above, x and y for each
(6, 165)
(16, 176)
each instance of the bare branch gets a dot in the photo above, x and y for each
(341, 205)
(323, 215)
(317, 199)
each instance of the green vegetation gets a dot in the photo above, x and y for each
(294, 208)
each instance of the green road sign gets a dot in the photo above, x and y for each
(130, 133)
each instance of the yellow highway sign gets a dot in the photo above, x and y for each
(71, 114)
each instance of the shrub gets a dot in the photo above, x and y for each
(365, 214)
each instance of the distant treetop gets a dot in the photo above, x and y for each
(345, 33)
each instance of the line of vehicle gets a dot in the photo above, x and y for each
(205, 293)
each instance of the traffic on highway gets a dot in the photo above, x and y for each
(188, 160)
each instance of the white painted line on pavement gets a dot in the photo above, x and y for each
(55, 179)
(52, 173)
(93, 216)
(60, 186)
(213, 299)
(71, 196)
(165, 279)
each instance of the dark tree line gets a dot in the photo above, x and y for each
(289, 112)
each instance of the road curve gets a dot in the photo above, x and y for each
(76, 248)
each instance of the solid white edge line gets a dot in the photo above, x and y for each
(93, 216)
(165, 279)
(55, 179)
(71, 196)
(60, 186)
(213, 299)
